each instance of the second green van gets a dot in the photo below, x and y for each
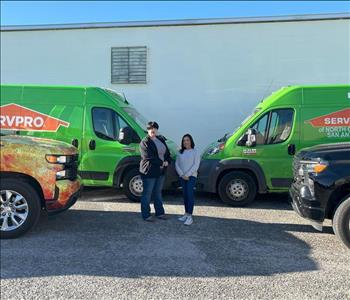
(257, 157)
(101, 123)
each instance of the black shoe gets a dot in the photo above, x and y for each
(149, 219)
(163, 217)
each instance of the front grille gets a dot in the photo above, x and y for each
(296, 166)
(71, 167)
(72, 159)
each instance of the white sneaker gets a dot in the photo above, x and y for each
(189, 220)
(183, 218)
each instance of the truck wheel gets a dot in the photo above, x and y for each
(132, 185)
(341, 222)
(20, 208)
(237, 189)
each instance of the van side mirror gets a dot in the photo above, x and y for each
(128, 135)
(243, 140)
(251, 138)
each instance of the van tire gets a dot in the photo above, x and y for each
(31, 198)
(341, 221)
(237, 189)
(132, 185)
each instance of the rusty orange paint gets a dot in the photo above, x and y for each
(26, 155)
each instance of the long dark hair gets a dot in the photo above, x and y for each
(182, 142)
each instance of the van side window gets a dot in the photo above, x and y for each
(280, 126)
(103, 121)
(260, 127)
(107, 123)
(119, 123)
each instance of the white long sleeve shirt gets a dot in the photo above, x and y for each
(187, 163)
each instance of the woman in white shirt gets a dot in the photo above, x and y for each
(187, 164)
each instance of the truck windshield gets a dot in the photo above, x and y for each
(140, 119)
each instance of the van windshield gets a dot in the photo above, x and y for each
(228, 135)
(255, 111)
(131, 111)
(139, 119)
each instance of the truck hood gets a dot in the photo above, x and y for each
(50, 146)
(322, 151)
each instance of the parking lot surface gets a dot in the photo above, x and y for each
(101, 249)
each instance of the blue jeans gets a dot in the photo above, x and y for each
(188, 193)
(152, 188)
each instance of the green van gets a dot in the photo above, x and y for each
(101, 123)
(257, 157)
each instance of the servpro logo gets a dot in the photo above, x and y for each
(333, 125)
(337, 119)
(17, 117)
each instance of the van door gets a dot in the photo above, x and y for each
(102, 150)
(277, 133)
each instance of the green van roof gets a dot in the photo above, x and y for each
(308, 94)
(105, 91)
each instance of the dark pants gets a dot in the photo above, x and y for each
(188, 193)
(152, 188)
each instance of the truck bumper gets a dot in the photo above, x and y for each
(66, 194)
(307, 206)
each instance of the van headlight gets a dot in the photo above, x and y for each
(216, 149)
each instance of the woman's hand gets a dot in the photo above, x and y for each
(165, 164)
(185, 178)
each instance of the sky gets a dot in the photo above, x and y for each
(62, 12)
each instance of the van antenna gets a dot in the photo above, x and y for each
(267, 90)
(125, 100)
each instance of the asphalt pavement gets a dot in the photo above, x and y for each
(101, 249)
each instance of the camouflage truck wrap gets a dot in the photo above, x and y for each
(35, 174)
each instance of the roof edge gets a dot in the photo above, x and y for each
(183, 22)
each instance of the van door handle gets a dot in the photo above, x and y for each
(129, 149)
(291, 149)
(75, 143)
(92, 145)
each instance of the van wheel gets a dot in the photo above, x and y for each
(237, 189)
(132, 185)
(341, 221)
(20, 208)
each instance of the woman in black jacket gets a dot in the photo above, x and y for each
(155, 158)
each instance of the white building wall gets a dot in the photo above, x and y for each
(201, 79)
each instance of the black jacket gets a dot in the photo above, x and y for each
(150, 162)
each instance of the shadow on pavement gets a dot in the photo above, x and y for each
(267, 201)
(120, 244)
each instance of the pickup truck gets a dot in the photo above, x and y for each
(321, 187)
(35, 174)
